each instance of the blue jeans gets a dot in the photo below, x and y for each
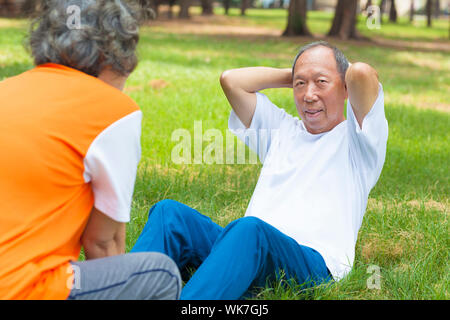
(231, 260)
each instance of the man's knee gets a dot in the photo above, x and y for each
(166, 205)
(167, 209)
(172, 213)
(247, 225)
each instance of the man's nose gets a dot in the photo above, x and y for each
(310, 94)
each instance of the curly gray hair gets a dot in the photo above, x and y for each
(105, 36)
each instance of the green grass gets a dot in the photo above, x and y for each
(405, 229)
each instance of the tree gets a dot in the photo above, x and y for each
(411, 11)
(29, 7)
(393, 12)
(207, 7)
(344, 21)
(437, 9)
(226, 5)
(170, 11)
(296, 21)
(245, 4)
(184, 9)
(382, 7)
(11, 8)
(428, 7)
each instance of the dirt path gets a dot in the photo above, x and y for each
(217, 25)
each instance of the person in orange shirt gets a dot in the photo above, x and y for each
(70, 141)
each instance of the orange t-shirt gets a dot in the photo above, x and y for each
(50, 117)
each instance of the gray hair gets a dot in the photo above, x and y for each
(106, 35)
(341, 61)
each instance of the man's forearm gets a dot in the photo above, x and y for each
(362, 85)
(240, 85)
(254, 79)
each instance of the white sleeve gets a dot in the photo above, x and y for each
(368, 145)
(111, 165)
(265, 125)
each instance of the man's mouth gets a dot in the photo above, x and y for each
(313, 113)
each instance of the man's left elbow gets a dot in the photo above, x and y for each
(361, 71)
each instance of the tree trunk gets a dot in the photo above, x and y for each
(437, 9)
(29, 7)
(184, 9)
(382, 7)
(393, 12)
(429, 6)
(207, 7)
(10, 8)
(226, 5)
(344, 21)
(170, 11)
(411, 11)
(155, 8)
(296, 22)
(244, 6)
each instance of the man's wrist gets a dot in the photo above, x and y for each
(287, 78)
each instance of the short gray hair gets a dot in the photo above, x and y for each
(341, 61)
(107, 35)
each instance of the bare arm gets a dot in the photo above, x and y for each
(103, 236)
(240, 86)
(362, 85)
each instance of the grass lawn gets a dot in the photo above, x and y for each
(405, 229)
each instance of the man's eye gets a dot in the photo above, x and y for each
(300, 83)
(322, 81)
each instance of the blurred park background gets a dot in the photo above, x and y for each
(190, 43)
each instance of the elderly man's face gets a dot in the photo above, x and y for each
(319, 91)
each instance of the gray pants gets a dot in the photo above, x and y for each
(131, 276)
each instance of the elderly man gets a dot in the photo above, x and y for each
(70, 148)
(308, 204)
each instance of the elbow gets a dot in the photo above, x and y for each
(361, 72)
(225, 79)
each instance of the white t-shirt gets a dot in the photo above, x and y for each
(314, 187)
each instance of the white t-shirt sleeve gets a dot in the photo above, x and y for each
(368, 145)
(264, 127)
(111, 165)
